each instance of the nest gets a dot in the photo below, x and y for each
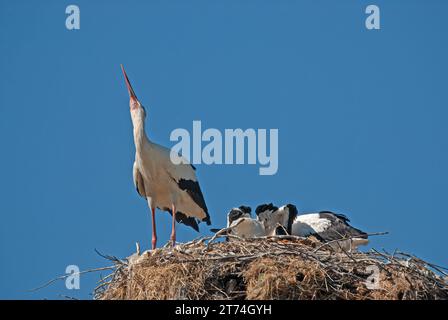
(271, 268)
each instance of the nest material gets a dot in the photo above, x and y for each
(270, 268)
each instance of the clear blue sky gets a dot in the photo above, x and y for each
(362, 119)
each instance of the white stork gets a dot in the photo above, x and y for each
(326, 226)
(166, 186)
(242, 225)
(265, 215)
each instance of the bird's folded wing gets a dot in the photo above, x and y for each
(138, 181)
(185, 177)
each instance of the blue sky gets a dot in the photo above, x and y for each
(361, 117)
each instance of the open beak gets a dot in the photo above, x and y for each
(128, 84)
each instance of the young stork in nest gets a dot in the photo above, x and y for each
(326, 226)
(165, 185)
(241, 224)
(271, 222)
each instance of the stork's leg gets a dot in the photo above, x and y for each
(154, 232)
(173, 228)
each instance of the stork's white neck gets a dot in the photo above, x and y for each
(140, 138)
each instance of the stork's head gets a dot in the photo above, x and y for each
(272, 217)
(283, 217)
(265, 213)
(136, 108)
(237, 213)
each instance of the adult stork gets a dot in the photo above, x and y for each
(165, 185)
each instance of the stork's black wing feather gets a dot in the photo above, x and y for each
(327, 214)
(182, 218)
(189, 221)
(194, 191)
(342, 231)
(340, 228)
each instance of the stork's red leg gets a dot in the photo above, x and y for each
(154, 233)
(173, 228)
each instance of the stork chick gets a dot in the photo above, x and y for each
(325, 226)
(265, 215)
(241, 224)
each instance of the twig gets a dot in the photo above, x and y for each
(348, 238)
(69, 275)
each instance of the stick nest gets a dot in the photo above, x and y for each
(270, 268)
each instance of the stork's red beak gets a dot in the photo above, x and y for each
(128, 84)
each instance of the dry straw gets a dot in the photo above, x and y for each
(270, 268)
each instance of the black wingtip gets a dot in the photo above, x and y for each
(193, 224)
(182, 218)
(338, 215)
(194, 190)
(207, 219)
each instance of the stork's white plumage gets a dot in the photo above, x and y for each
(241, 224)
(265, 214)
(329, 226)
(166, 186)
(325, 225)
